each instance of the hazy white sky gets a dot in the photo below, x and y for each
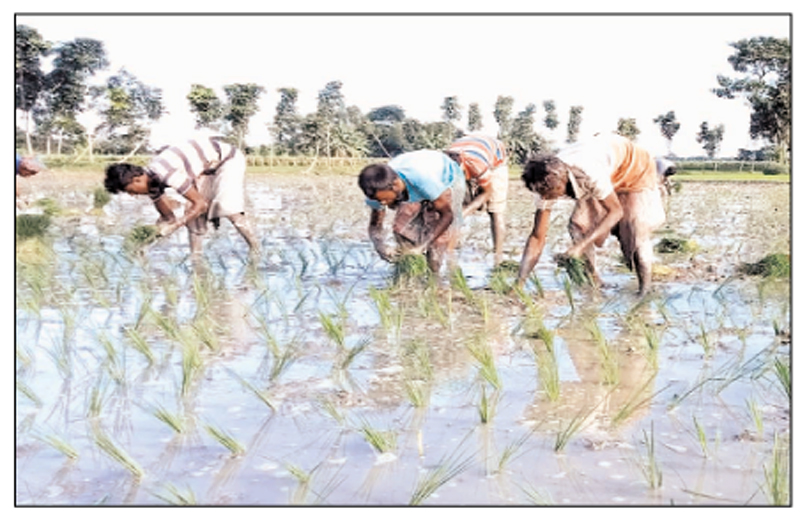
(637, 66)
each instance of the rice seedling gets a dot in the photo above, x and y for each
(349, 354)
(261, 395)
(784, 375)
(391, 316)
(140, 344)
(706, 342)
(650, 467)
(566, 432)
(28, 392)
(537, 497)
(499, 283)
(608, 358)
(487, 405)
(652, 341)
(777, 476)
(191, 363)
(480, 350)
(637, 400)
(329, 406)
(566, 284)
(448, 468)
(116, 453)
(60, 444)
(547, 364)
(30, 226)
(304, 482)
(225, 439)
(333, 328)
(140, 236)
(755, 414)
(49, 206)
(416, 360)
(576, 270)
(511, 451)
(207, 331)
(383, 441)
(282, 359)
(459, 281)
(174, 421)
(176, 497)
(775, 265)
(418, 392)
(410, 268)
(701, 436)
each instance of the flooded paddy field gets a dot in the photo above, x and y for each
(308, 376)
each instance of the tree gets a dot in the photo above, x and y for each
(502, 115)
(766, 85)
(474, 118)
(451, 112)
(29, 78)
(207, 107)
(127, 107)
(384, 128)
(626, 127)
(574, 123)
(710, 138)
(241, 106)
(287, 123)
(669, 126)
(522, 141)
(550, 117)
(68, 93)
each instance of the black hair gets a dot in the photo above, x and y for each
(119, 175)
(543, 171)
(375, 178)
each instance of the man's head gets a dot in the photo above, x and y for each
(28, 166)
(381, 183)
(126, 177)
(546, 175)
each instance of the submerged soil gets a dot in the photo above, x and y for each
(305, 376)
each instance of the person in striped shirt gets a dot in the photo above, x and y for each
(206, 171)
(485, 164)
(616, 186)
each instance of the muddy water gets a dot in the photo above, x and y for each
(569, 421)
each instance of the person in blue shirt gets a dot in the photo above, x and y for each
(426, 188)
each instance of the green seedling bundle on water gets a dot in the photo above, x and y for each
(409, 268)
(29, 226)
(576, 270)
(775, 265)
(141, 236)
(676, 245)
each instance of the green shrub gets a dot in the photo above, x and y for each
(101, 197)
(676, 245)
(140, 236)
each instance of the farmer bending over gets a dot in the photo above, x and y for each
(206, 171)
(485, 164)
(426, 188)
(617, 191)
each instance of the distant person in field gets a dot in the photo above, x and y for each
(616, 187)
(426, 188)
(25, 167)
(206, 171)
(665, 169)
(485, 164)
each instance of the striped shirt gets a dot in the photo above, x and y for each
(479, 154)
(179, 166)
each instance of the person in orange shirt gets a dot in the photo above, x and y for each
(485, 164)
(616, 187)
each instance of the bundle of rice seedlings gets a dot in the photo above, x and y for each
(507, 267)
(775, 265)
(576, 270)
(101, 197)
(141, 236)
(410, 267)
(29, 226)
(676, 245)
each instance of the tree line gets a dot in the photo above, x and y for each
(66, 110)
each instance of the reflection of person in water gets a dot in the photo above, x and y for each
(605, 404)
(617, 191)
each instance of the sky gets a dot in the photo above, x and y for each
(632, 66)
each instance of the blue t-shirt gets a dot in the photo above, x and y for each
(426, 174)
(19, 160)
